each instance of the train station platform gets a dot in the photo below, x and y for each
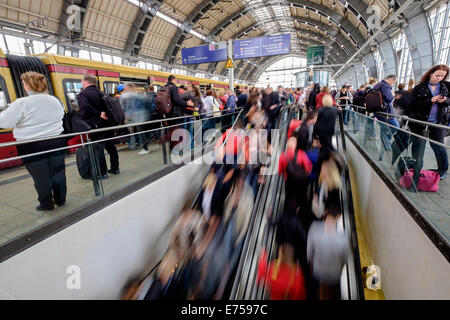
(128, 225)
(221, 64)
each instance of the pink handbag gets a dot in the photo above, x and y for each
(428, 181)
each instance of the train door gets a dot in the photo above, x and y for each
(6, 134)
(72, 87)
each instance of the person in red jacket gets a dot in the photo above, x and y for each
(324, 91)
(283, 276)
(293, 125)
(288, 155)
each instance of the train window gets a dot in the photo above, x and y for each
(110, 87)
(141, 87)
(72, 87)
(4, 98)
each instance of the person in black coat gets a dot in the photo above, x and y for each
(312, 96)
(93, 112)
(430, 101)
(304, 133)
(401, 138)
(326, 121)
(271, 107)
(178, 104)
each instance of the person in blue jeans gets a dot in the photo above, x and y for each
(386, 132)
(430, 104)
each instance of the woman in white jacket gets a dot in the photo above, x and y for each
(209, 105)
(36, 116)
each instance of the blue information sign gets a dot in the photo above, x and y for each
(263, 46)
(247, 48)
(204, 54)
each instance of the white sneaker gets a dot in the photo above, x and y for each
(143, 151)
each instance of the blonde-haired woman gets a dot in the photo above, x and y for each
(39, 115)
(326, 121)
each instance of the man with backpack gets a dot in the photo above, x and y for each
(380, 99)
(93, 111)
(171, 105)
(178, 104)
(369, 133)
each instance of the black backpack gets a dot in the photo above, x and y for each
(374, 101)
(72, 123)
(114, 110)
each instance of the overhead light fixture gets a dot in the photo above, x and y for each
(174, 10)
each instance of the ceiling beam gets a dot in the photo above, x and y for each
(391, 19)
(181, 34)
(302, 4)
(139, 28)
(343, 52)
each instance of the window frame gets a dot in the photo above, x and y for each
(66, 97)
(5, 90)
(106, 82)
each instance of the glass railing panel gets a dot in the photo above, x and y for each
(144, 150)
(140, 154)
(51, 174)
(83, 167)
(397, 151)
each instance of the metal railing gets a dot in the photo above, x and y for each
(355, 287)
(405, 118)
(113, 128)
(405, 128)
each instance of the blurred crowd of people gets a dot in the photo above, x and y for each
(207, 240)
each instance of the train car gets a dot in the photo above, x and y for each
(64, 75)
(7, 95)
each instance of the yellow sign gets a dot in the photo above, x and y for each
(229, 64)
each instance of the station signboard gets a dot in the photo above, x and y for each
(262, 46)
(315, 55)
(204, 54)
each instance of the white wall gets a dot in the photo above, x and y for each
(411, 266)
(121, 241)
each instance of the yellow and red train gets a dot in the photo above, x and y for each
(65, 75)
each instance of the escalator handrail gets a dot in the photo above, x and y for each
(276, 207)
(256, 218)
(351, 216)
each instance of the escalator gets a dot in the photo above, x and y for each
(262, 231)
(147, 285)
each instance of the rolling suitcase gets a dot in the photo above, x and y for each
(84, 163)
(83, 160)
